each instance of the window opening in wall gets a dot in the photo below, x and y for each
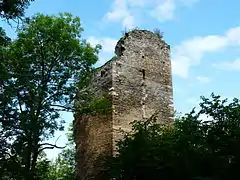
(102, 73)
(143, 73)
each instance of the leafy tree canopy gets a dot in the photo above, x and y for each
(192, 149)
(12, 9)
(43, 68)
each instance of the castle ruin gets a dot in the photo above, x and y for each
(139, 83)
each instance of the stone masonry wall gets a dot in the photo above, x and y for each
(139, 82)
(142, 81)
(93, 134)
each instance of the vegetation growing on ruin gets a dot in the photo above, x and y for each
(158, 32)
(93, 106)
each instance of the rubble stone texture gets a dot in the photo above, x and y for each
(139, 83)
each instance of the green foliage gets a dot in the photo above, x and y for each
(42, 71)
(4, 40)
(98, 106)
(158, 32)
(43, 168)
(94, 105)
(192, 149)
(127, 30)
(63, 167)
(11, 9)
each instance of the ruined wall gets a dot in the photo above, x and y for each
(93, 134)
(139, 84)
(142, 80)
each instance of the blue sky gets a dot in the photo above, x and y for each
(204, 37)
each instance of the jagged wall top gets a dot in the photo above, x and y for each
(142, 36)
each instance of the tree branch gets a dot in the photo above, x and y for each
(49, 146)
(60, 106)
(48, 98)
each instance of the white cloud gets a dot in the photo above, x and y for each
(164, 11)
(108, 46)
(229, 65)
(190, 52)
(121, 12)
(203, 79)
(128, 10)
(233, 35)
(128, 22)
(180, 65)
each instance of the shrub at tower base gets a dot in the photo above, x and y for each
(192, 149)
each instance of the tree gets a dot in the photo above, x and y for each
(4, 42)
(12, 9)
(63, 167)
(45, 64)
(43, 167)
(192, 149)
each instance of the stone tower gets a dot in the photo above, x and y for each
(139, 83)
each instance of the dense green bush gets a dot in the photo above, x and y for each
(192, 149)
